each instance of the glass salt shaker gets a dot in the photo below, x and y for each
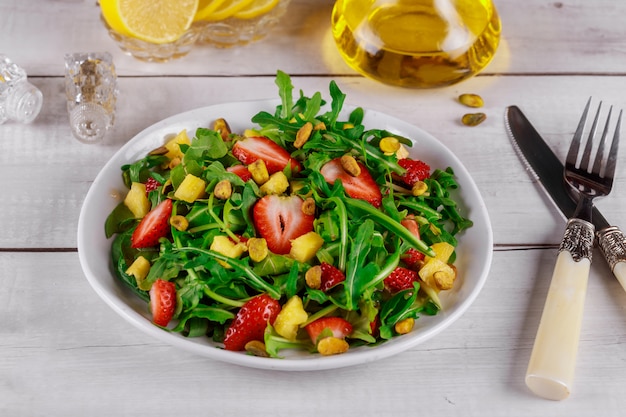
(91, 90)
(20, 101)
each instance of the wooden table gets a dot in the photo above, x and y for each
(64, 352)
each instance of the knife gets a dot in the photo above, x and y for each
(550, 372)
(544, 166)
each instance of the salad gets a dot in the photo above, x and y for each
(306, 231)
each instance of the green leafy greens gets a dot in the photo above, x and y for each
(364, 242)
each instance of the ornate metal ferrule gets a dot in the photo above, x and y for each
(612, 243)
(578, 239)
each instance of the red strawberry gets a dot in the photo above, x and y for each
(279, 220)
(362, 187)
(275, 157)
(241, 171)
(375, 326)
(153, 226)
(162, 301)
(331, 276)
(337, 326)
(151, 185)
(412, 256)
(416, 170)
(400, 279)
(251, 321)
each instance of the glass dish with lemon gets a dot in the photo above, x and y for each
(161, 30)
(226, 23)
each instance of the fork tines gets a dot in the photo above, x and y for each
(599, 169)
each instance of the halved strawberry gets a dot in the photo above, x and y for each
(151, 185)
(331, 276)
(162, 301)
(275, 157)
(153, 226)
(416, 170)
(241, 171)
(412, 256)
(400, 279)
(362, 187)
(279, 220)
(328, 327)
(250, 322)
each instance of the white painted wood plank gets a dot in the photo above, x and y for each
(63, 352)
(538, 37)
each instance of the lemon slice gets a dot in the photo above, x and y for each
(206, 7)
(155, 21)
(256, 8)
(227, 9)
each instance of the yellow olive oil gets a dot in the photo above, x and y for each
(416, 43)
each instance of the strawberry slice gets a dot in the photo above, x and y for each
(331, 276)
(400, 279)
(332, 326)
(275, 157)
(416, 170)
(279, 220)
(153, 226)
(412, 257)
(362, 187)
(250, 322)
(162, 301)
(241, 171)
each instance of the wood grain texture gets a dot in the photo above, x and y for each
(64, 352)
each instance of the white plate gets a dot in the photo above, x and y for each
(473, 262)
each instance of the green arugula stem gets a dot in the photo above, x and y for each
(392, 225)
(253, 279)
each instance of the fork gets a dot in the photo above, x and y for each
(550, 372)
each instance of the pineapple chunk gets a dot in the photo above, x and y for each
(259, 173)
(137, 201)
(173, 146)
(306, 246)
(437, 274)
(291, 316)
(139, 269)
(190, 189)
(443, 251)
(225, 246)
(276, 184)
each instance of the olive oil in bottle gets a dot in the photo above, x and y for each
(416, 43)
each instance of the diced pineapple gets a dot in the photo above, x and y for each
(190, 189)
(445, 274)
(250, 133)
(304, 247)
(139, 269)
(291, 316)
(225, 246)
(173, 145)
(276, 184)
(137, 201)
(258, 170)
(443, 251)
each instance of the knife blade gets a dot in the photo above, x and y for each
(546, 168)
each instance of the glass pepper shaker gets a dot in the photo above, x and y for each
(91, 90)
(20, 101)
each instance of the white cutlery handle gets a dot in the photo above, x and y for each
(550, 371)
(612, 243)
(551, 368)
